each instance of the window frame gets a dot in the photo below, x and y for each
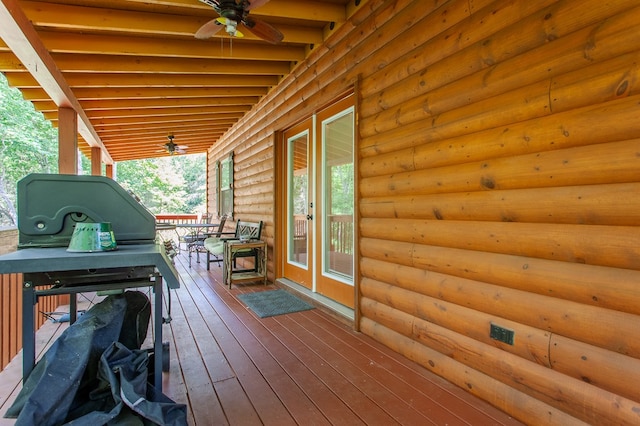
(225, 194)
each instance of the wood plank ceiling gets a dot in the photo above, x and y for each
(139, 75)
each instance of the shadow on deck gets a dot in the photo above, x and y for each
(231, 367)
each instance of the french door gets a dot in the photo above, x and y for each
(319, 203)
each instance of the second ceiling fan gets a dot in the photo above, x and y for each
(234, 12)
(172, 148)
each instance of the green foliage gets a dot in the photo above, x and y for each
(29, 144)
(166, 185)
(342, 189)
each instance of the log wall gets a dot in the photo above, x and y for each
(499, 161)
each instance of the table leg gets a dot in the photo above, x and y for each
(28, 329)
(73, 308)
(225, 256)
(157, 345)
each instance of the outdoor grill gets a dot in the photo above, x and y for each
(50, 207)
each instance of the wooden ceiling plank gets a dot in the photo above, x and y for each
(304, 10)
(194, 128)
(226, 111)
(166, 103)
(167, 80)
(128, 117)
(124, 126)
(174, 128)
(21, 80)
(165, 92)
(132, 64)
(115, 116)
(65, 42)
(137, 123)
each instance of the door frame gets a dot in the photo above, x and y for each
(280, 201)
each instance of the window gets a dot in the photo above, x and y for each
(224, 186)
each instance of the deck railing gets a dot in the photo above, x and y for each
(11, 304)
(177, 218)
(340, 232)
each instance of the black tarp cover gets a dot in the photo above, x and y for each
(95, 373)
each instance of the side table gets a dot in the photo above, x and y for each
(233, 249)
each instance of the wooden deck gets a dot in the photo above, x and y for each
(231, 367)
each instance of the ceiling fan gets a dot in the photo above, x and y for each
(234, 12)
(172, 148)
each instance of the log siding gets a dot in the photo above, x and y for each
(498, 175)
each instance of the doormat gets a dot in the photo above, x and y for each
(273, 302)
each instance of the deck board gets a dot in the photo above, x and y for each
(231, 367)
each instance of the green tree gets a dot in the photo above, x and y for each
(28, 144)
(193, 170)
(168, 184)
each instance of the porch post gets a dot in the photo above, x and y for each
(67, 141)
(96, 161)
(109, 170)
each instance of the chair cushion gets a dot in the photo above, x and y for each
(214, 245)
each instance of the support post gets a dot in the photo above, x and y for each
(67, 141)
(96, 161)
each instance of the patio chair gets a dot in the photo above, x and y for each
(215, 244)
(195, 240)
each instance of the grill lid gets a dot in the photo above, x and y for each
(51, 205)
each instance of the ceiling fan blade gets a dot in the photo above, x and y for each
(254, 4)
(263, 30)
(209, 29)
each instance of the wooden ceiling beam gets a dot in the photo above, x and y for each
(199, 127)
(83, 94)
(133, 64)
(160, 132)
(65, 42)
(70, 63)
(22, 79)
(127, 104)
(226, 111)
(232, 104)
(146, 122)
(169, 80)
(303, 10)
(116, 116)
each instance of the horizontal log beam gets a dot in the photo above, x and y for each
(561, 285)
(612, 246)
(587, 205)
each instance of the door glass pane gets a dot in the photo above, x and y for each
(298, 176)
(338, 182)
